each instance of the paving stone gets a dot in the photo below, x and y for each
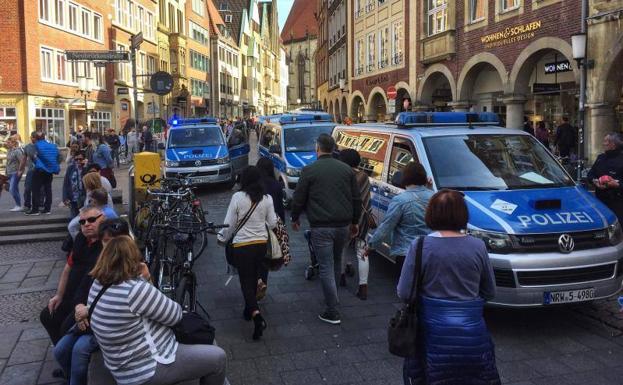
(33, 334)
(238, 369)
(374, 369)
(33, 282)
(516, 371)
(608, 357)
(7, 342)
(340, 374)
(23, 374)
(29, 351)
(301, 377)
(45, 376)
(374, 351)
(593, 378)
(249, 350)
(3, 269)
(41, 269)
(311, 359)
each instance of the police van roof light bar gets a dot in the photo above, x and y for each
(302, 117)
(410, 119)
(188, 121)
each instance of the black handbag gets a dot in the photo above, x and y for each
(229, 246)
(193, 329)
(75, 329)
(403, 326)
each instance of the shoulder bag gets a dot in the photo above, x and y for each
(403, 326)
(75, 330)
(193, 329)
(274, 258)
(229, 246)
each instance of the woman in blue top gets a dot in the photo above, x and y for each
(456, 279)
(404, 219)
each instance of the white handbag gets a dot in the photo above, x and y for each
(274, 255)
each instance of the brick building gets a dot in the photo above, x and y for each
(512, 57)
(380, 56)
(39, 88)
(199, 65)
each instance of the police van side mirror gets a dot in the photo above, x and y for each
(274, 149)
(160, 146)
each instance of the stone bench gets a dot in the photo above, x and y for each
(100, 375)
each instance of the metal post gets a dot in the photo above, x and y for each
(135, 84)
(581, 110)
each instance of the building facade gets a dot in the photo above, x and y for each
(199, 57)
(321, 56)
(299, 37)
(337, 50)
(40, 89)
(380, 56)
(270, 53)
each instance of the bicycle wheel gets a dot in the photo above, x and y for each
(186, 293)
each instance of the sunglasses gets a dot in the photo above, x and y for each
(89, 219)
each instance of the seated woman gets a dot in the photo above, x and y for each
(132, 325)
(456, 280)
(73, 351)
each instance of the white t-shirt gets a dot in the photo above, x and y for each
(255, 227)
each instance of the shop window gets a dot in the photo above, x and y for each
(477, 9)
(52, 122)
(402, 153)
(101, 121)
(508, 5)
(8, 118)
(437, 16)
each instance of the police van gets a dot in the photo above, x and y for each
(549, 240)
(198, 147)
(290, 142)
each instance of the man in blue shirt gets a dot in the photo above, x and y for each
(47, 163)
(103, 158)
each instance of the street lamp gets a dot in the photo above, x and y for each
(578, 46)
(85, 88)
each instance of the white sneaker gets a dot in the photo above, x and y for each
(16, 208)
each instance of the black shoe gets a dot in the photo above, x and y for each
(47, 212)
(246, 314)
(349, 270)
(58, 373)
(332, 318)
(32, 212)
(260, 325)
(343, 280)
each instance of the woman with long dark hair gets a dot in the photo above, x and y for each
(250, 212)
(272, 186)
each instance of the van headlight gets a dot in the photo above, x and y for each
(171, 163)
(498, 243)
(615, 235)
(223, 160)
(293, 172)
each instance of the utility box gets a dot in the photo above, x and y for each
(145, 171)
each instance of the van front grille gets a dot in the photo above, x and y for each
(542, 243)
(565, 276)
(504, 278)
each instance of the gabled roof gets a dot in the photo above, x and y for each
(301, 21)
(215, 18)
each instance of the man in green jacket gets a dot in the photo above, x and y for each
(327, 191)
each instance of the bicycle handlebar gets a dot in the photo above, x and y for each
(209, 228)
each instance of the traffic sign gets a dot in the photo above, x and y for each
(391, 92)
(161, 83)
(391, 106)
(136, 40)
(98, 56)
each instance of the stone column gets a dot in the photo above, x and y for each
(370, 118)
(600, 119)
(460, 105)
(514, 110)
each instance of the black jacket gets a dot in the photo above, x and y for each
(274, 189)
(328, 191)
(84, 257)
(608, 163)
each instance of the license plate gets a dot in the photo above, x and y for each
(202, 180)
(568, 296)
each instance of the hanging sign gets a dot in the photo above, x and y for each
(557, 67)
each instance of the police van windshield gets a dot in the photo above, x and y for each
(303, 139)
(195, 137)
(493, 162)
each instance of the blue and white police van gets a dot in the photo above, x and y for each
(290, 142)
(198, 147)
(550, 241)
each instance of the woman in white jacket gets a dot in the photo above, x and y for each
(250, 241)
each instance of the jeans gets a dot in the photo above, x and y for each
(14, 188)
(115, 155)
(206, 362)
(73, 354)
(329, 242)
(28, 189)
(363, 263)
(41, 179)
(249, 260)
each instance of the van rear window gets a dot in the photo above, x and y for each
(493, 162)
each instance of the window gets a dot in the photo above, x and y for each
(384, 47)
(477, 10)
(44, 10)
(151, 65)
(199, 88)
(46, 64)
(97, 27)
(199, 7)
(59, 12)
(122, 68)
(73, 17)
(61, 66)
(8, 117)
(228, 18)
(360, 53)
(140, 19)
(402, 154)
(162, 15)
(86, 22)
(397, 43)
(370, 62)
(199, 61)
(180, 22)
(437, 16)
(199, 34)
(150, 27)
(507, 5)
(101, 121)
(100, 77)
(52, 122)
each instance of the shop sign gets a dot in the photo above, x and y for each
(123, 91)
(8, 102)
(47, 102)
(107, 56)
(511, 35)
(377, 80)
(557, 67)
(546, 88)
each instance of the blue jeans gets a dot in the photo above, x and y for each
(28, 189)
(14, 188)
(329, 242)
(73, 353)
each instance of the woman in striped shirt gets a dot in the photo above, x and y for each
(132, 324)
